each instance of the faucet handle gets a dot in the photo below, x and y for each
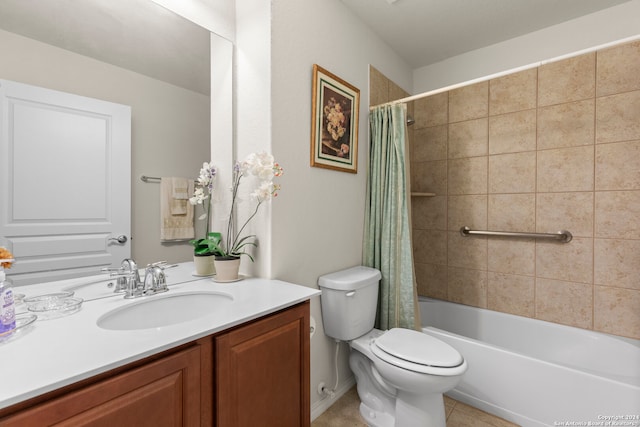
(122, 273)
(121, 285)
(122, 276)
(155, 280)
(157, 264)
(162, 264)
(127, 281)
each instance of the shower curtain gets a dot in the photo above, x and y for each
(387, 235)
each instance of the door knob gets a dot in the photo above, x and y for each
(121, 239)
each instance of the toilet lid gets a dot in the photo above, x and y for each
(416, 347)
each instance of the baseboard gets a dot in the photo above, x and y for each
(322, 405)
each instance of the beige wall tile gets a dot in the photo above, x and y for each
(513, 92)
(396, 92)
(466, 252)
(565, 211)
(468, 286)
(410, 139)
(512, 256)
(509, 293)
(617, 263)
(382, 89)
(618, 69)
(566, 125)
(512, 173)
(512, 212)
(429, 177)
(469, 102)
(618, 117)
(431, 280)
(470, 211)
(567, 80)
(431, 111)
(616, 311)
(467, 176)
(618, 166)
(617, 214)
(513, 132)
(565, 261)
(468, 138)
(429, 212)
(565, 169)
(429, 144)
(378, 87)
(429, 246)
(564, 302)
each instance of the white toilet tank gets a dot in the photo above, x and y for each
(349, 301)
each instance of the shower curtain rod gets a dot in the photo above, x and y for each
(504, 73)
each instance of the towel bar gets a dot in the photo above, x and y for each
(562, 236)
(145, 178)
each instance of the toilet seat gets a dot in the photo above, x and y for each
(418, 352)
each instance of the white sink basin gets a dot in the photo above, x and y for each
(164, 310)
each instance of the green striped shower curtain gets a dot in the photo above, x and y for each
(387, 235)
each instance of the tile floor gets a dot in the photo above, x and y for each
(344, 413)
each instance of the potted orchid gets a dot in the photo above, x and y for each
(204, 249)
(235, 244)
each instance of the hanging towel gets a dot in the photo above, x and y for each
(176, 222)
(179, 195)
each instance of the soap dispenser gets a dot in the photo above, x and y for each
(7, 306)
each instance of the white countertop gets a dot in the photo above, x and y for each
(52, 353)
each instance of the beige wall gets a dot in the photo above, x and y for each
(169, 130)
(317, 221)
(554, 147)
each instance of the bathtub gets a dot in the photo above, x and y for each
(537, 373)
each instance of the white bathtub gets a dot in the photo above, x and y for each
(537, 373)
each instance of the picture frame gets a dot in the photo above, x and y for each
(334, 122)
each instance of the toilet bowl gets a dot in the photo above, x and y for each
(413, 390)
(401, 374)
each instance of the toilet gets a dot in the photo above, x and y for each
(401, 374)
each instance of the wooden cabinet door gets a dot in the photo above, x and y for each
(262, 372)
(165, 392)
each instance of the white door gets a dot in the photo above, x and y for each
(65, 182)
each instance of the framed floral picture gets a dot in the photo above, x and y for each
(334, 122)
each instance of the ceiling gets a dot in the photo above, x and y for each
(424, 32)
(138, 35)
(141, 35)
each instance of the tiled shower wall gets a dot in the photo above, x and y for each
(550, 148)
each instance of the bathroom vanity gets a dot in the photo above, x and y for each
(239, 366)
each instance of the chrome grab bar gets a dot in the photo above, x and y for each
(562, 236)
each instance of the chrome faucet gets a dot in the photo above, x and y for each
(128, 279)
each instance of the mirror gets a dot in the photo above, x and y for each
(132, 52)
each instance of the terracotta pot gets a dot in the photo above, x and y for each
(205, 265)
(227, 268)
